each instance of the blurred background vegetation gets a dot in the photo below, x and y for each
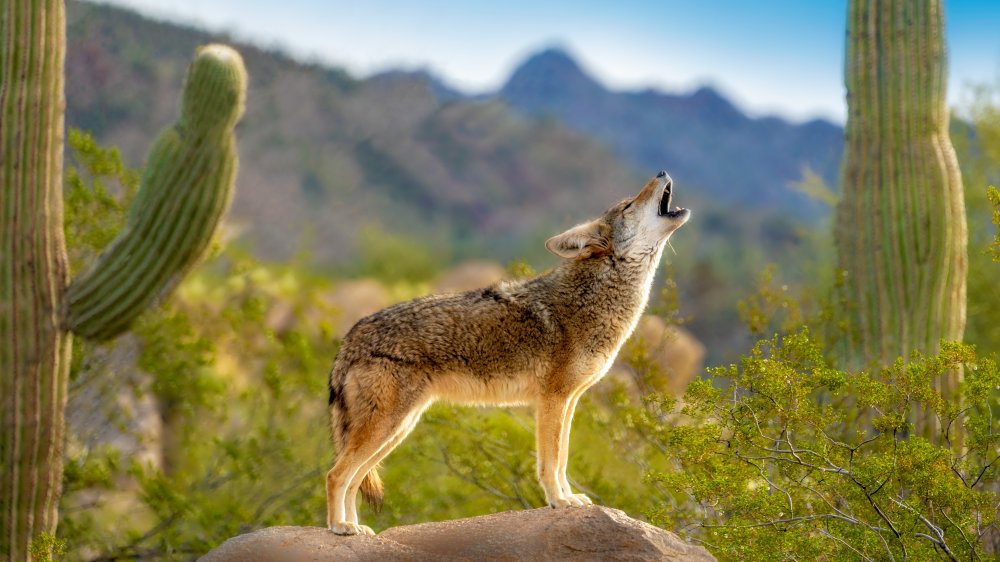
(209, 418)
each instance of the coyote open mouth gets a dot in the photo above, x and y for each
(665, 200)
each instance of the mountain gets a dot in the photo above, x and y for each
(323, 153)
(701, 138)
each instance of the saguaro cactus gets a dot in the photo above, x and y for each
(900, 231)
(184, 192)
(33, 348)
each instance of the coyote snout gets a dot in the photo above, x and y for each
(542, 341)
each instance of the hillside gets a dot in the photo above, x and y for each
(321, 149)
(701, 137)
(322, 153)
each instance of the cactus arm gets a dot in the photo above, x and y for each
(185, 190)
(33, 348)
(153, 272)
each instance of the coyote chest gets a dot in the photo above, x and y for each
(611, 333)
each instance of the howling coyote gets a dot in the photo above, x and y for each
(542, 341)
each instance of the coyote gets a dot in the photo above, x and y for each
(541, 341)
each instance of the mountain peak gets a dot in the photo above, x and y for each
(708, 93)
(553, 72)
(710, 104)
(552, 58)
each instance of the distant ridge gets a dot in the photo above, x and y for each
(437, 88)
(702, 138)
(323, 153)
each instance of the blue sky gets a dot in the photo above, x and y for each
(769, 56)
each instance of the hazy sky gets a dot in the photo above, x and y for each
(768, 56)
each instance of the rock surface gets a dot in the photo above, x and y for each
(586, 534)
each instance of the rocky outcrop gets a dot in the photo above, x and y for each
(678, 355)
(587, 534)
(469, 275)
(355, 300)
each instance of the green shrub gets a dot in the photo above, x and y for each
(794, 459)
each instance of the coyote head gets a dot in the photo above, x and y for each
(634, 227)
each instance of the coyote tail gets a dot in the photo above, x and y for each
(371, 485)
(371, 489)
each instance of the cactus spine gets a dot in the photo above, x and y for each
(185, 191)
(900, 230)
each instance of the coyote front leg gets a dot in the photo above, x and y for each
(549, 419)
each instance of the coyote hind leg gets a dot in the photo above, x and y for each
(352, 491)
(362, 443)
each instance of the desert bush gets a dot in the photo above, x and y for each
(776, 466)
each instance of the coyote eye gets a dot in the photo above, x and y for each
(629, 204)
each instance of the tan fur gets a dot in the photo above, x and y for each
(542, 341)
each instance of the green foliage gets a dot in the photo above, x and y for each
(221, 380)
(179, 359)
(770, 306)
(520, 269)
(815, 187)
(236, 367)
(47, 548)
(98, 189)
(776, 466)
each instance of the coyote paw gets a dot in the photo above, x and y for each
(570, 500)
(347, 528)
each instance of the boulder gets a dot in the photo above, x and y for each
(469, 275)
(593, 533)
(355, 300)
(308, 544)
(678, 354)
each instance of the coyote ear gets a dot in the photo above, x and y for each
(581, 241)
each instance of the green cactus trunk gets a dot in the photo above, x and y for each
(900, 230)
(33, 347)
(184, 193)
